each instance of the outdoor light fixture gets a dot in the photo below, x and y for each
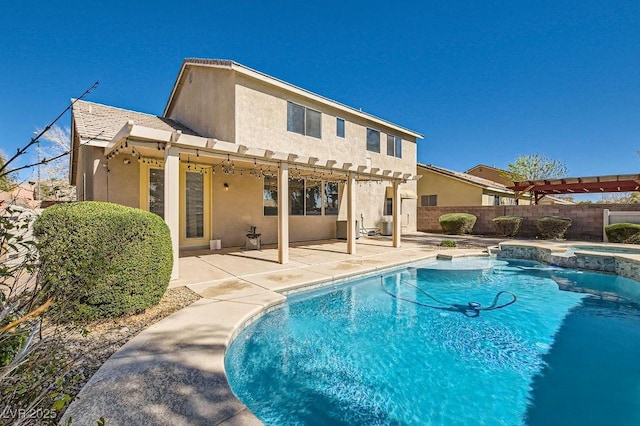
(226, 186)
(126, 161)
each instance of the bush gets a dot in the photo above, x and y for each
(507, 225)
(457, 223)
(628, 233)
(108, 260)
(552, 227)
(448, 243)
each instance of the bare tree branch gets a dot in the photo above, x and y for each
(33, 141)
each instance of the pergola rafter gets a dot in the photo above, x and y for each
(578, 185)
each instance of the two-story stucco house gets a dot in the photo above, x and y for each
(236, 148)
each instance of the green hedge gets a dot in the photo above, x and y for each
(507, 225)
(103, 259)
(457, 223)
(628, 233)
(552, 227)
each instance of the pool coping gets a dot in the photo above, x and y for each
(624, 264)
(188, 349)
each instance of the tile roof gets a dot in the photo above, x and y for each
(102, 122)
(485, 183)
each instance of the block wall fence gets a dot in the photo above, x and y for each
(587, 219)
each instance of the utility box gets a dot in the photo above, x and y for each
(387, 226)
(341, 229)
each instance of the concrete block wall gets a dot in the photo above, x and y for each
(586, 218)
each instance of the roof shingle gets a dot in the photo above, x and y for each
(102, 122)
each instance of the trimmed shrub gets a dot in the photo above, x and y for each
(628, 233)
(507, 225)
(552, 227)
(457, 223)
(103, 259)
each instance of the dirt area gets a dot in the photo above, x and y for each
(104, 338)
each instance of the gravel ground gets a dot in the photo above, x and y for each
(104, 338)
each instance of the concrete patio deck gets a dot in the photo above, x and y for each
(173, 372)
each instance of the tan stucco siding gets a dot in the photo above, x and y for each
(261, 121)
(205, 103)
(119, 183)
(450, 192)
(240, 207)
(490, 174)
(124, 181)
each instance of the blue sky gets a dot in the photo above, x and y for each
(484, 81)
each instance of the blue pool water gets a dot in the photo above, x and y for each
(354, 354)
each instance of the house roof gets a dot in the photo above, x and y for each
(464, 177)
(234, 66)
(102, 122)
(486, 167)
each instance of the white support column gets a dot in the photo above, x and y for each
(397, 228)
(351, 217)
(283, 213)
(172, 203)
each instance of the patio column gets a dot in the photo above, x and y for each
(283, 213)
(351, 208)
(397, 229)
(172, 202)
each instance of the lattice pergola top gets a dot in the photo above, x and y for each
(580, 185)
(151, 142)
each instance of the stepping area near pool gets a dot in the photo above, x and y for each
(173, 372)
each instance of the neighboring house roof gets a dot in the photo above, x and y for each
(486, 167)
(557, 200)
(492, 173)
(234, 66)
(464, 177)
(100, 122)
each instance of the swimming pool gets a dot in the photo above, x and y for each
(365, 353)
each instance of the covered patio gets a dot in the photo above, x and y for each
(234, 272)
(174, 151)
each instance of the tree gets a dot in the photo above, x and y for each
(620, 198)
(6, 180)
(54, 181)
(535, 167)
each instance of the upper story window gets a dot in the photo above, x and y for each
(394, 146)
(303, 120)
(373, 140)
(340, 127)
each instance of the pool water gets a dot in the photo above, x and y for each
(355, 354)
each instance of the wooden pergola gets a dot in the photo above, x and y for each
(577, 185)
